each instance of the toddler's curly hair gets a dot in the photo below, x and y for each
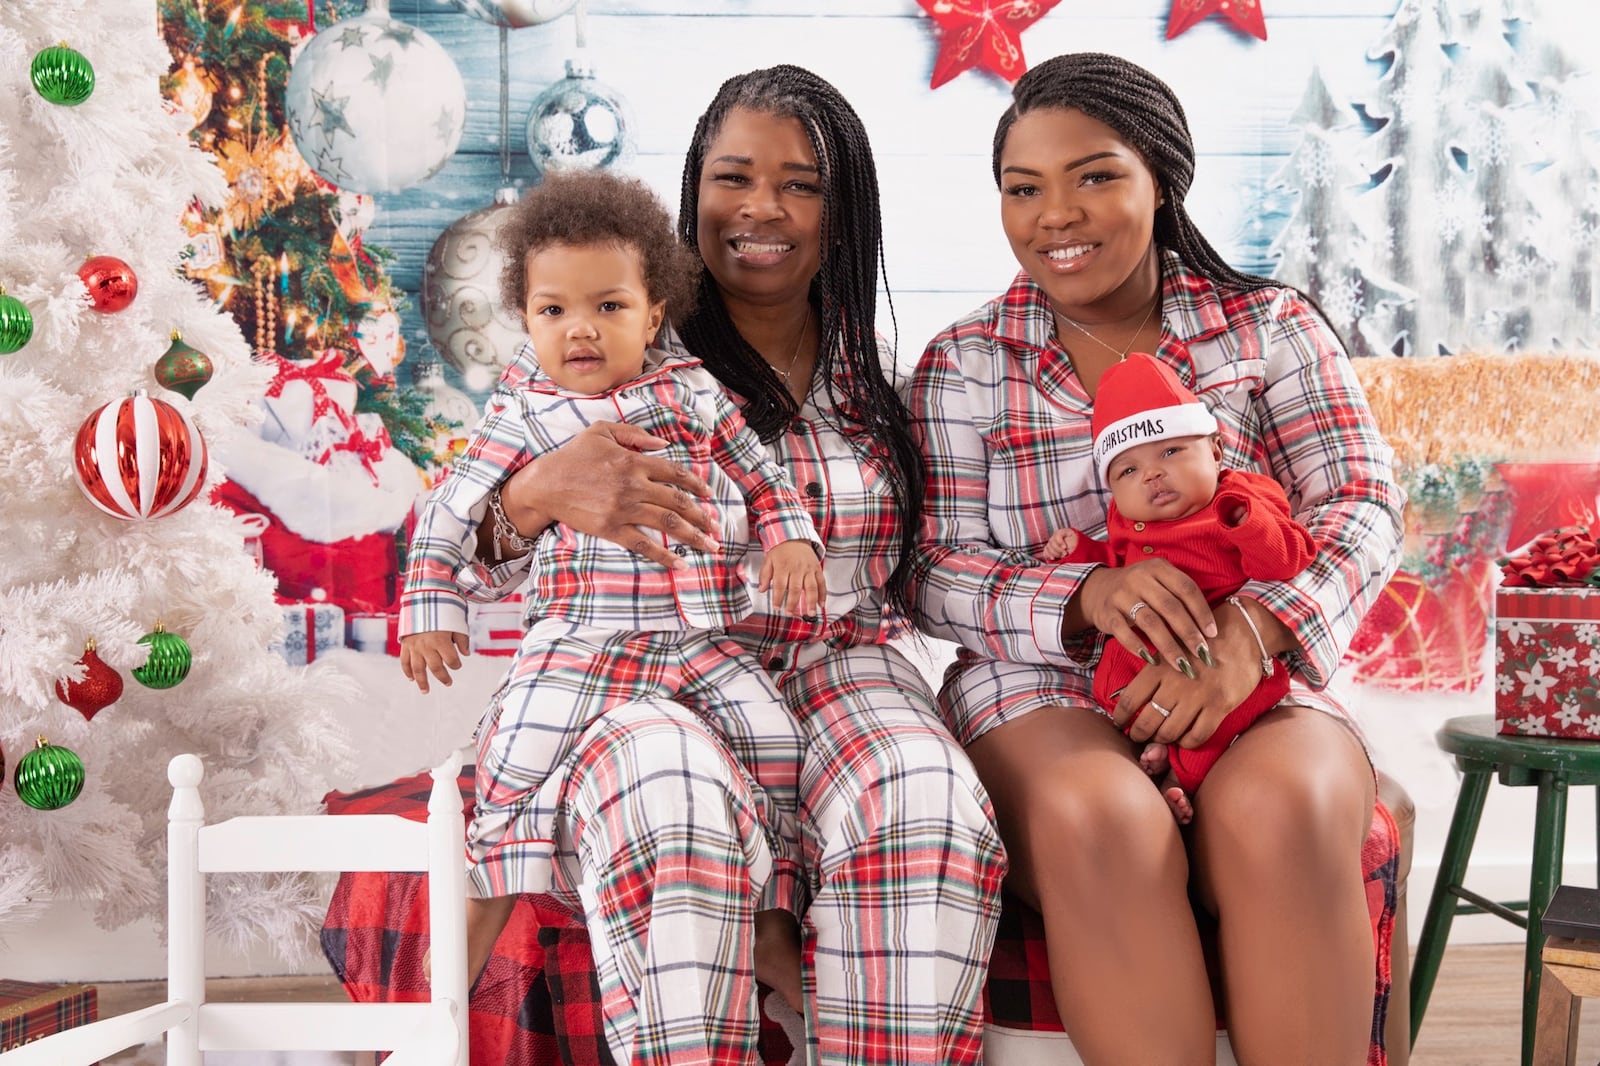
(597, 207)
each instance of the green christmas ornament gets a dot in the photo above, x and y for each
(62, 75)
(16, 323)
(168, 662)
(49, 777)
(182, 368)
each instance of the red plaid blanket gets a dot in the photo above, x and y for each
(537, 1001)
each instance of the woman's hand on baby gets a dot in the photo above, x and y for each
(436, 652)
(603, 482)
(1153, 601)
(1196, 706)
(794, 574)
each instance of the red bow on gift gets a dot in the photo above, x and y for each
(328, 367)
(368, 449)
(1560, 558)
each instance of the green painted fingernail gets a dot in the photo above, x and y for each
(1204, 652)
(1185, 669)
(1144, 653)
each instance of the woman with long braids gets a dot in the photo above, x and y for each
(663, 848)
(1092, 160)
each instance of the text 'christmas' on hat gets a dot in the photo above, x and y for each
(1141, 400)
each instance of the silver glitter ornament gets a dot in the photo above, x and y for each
(579, 122)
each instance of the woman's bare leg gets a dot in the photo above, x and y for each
(1094, 847)
(1277, 851)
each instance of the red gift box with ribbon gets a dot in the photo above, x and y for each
(1547, 638)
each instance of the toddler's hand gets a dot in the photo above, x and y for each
(437, 651)
(794, 574)
(1062, 543)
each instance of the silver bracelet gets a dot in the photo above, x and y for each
(1266, 660)
(503, 529)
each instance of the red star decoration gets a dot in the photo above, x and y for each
(1547, 496)
(1245, 14)
(985, 33)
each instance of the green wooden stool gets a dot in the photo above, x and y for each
(1551, 765)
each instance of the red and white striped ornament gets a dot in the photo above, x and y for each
(139, 458)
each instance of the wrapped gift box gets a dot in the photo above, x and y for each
(375, 632)
(495, 628)
(310, 630)
(1547, 660)
(30, 1010)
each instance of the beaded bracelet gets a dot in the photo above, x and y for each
(504, 530)
(1266, 660)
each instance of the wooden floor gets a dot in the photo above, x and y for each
(1473, 1017)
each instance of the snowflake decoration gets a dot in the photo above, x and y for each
(1317, 163)
(1488, 139)
(1523, 267)
(1300, 243)
(1342, 299)
(1457, 213)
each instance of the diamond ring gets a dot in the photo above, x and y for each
(1133, 612)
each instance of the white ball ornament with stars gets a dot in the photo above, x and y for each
(375, 105)
(516, 14)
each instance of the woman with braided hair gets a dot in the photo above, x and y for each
(1093, 159)
(662, 845)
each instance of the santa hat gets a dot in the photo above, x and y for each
(1141, 400)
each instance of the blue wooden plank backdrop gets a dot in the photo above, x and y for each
(944, 247)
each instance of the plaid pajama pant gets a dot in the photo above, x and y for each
(566, 678)
(660, 836)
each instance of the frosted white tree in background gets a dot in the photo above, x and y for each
(1484, 208)
(1567, 190)
(112, 175)
(1324, 248)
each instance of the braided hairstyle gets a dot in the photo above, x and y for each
(843, 293)
(1145, 113)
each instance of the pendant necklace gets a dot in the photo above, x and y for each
(1123, 354)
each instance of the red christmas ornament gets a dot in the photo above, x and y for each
(1547, 496)
(112, 283)
(1245, 14)
(139, 458)
(985, 33)
(100, 688)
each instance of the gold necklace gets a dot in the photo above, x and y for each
(794, 356)
(1124, 353)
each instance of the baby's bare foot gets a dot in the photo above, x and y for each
(1153, 759)
(1178, 800)
(778, 955)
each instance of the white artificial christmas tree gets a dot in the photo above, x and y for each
(113, 175)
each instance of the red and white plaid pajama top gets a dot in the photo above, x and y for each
(1005, 426)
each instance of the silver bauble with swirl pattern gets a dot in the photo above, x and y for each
(461, 291)
(579, 122)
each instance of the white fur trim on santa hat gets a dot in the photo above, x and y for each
(1158, 423)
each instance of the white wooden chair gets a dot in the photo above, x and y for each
(420, 1034)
